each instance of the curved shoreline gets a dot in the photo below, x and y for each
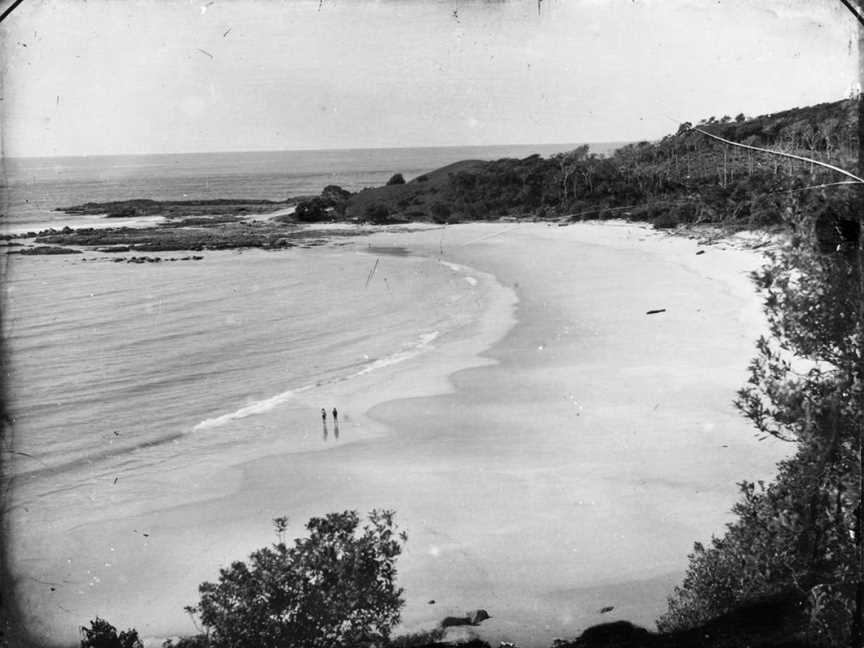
(559, 454)
(496, 403)
(227, 502)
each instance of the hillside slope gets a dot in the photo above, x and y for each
(685, 177)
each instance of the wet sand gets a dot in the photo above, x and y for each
(567, 467)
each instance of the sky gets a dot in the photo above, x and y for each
(87, 77)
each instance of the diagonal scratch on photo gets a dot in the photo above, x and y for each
(415, 323)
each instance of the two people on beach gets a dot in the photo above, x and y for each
(335, 422)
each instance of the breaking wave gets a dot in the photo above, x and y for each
(423, 344)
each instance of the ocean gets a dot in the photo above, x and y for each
(36, 187)
(129, 384)
(110, 357)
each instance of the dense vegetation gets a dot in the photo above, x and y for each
(803, 533)
(336, 587)
(685, 177)
(102, 634)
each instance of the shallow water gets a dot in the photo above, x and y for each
(109, 358)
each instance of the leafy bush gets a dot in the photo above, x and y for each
(377, 213)
(312, 211)
(418, 639)
(196, 641)
(335, 588)
(396, 179)
(102, 634)
(439, 213)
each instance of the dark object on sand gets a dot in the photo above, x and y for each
(700, 252)
(619, 634)
(606, 609)
(777, 621)
(655, 311)
(473, 618)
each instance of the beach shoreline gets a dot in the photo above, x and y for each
(544, 466)
(637, 590)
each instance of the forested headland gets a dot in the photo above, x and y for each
(684, 178)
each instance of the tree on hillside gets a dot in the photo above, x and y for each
(568, 163)
(335, 588)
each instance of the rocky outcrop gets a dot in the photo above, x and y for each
(472, 618)
(174, 208)
(45, 249)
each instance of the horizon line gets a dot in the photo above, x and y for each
(307, 150)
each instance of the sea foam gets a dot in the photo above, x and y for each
(423, 344)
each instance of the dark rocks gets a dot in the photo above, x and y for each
(473, 618)
(315, 210)
(172, 208)
(149, 259)
(45, 249)
(335, 193)
(143, 259)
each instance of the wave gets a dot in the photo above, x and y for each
(424, 343)
(455, 267)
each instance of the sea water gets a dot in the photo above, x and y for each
(33, 188)
(109, 357)
(130, 372)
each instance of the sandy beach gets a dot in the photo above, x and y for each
(559, 453)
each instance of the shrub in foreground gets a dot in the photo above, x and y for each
(102, 634)
(334, 588)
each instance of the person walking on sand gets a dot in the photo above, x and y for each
(335, 424)
(324, 416)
